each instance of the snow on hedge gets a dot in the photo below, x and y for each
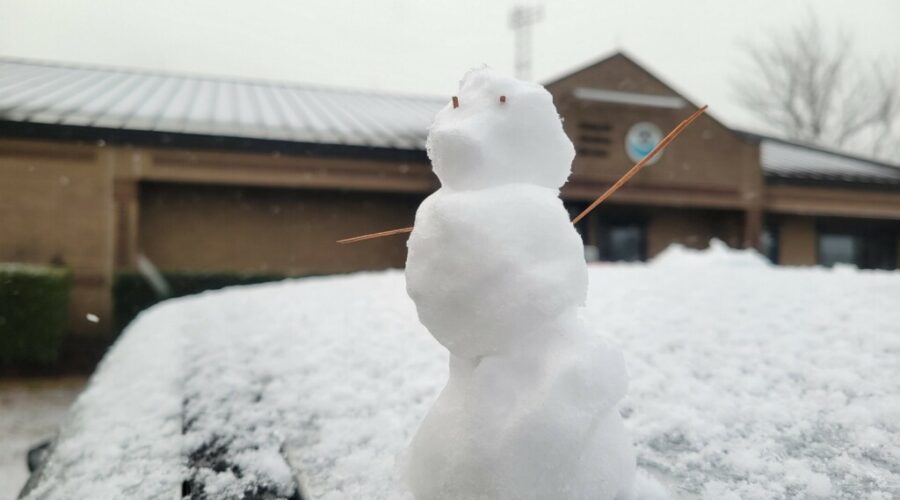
(747, 381)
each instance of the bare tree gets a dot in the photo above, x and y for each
(816, 89)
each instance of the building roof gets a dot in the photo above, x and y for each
(792, 161)
(183, 104)
(177, 105)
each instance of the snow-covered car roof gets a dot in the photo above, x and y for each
(747, 381)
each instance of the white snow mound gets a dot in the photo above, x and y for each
(717, 254)
(751, 383)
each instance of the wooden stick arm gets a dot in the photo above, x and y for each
(376, 235)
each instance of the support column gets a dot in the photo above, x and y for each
(797, 241)
(753, 226)
(127, 211)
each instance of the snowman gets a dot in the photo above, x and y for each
(498, 276)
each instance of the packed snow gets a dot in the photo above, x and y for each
(30, 412)
(498, 276)
(122, 437)
(747, 381)
(482, 141)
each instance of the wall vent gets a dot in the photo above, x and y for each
(594, 139)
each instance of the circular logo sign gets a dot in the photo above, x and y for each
(641, 139)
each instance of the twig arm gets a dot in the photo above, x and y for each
(376, 235)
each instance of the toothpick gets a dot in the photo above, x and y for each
(609, 192)
(376, 235)
(455, 102)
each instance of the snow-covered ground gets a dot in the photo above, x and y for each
(30, 411)
(747, 381)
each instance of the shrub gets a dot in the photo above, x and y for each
(34, 304)
(132, 293)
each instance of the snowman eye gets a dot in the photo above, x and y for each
(502, 99)
(455, 102)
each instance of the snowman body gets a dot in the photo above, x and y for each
(498, 276)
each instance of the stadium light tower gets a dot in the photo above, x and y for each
(521, 20)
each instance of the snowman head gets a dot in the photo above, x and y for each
(498, 131)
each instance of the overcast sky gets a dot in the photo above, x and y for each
(422, 46)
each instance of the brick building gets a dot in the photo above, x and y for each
(100, 166)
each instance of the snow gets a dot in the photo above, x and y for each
(484, 298)
(718, 253)
(748, 382)
(498, 275)
(485, 142)
(122, 437)
(30, 411)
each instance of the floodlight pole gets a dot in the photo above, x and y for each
(521, 20)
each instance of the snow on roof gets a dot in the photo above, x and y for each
(125, 99)
(147, 101)
(747, 381)
(783, 159)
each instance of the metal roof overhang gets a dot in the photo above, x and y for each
(49, 131)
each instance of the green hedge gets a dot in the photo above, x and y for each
(132, 293)
(34, 304)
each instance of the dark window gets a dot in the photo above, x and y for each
(879, 252)
(864, 249)
(839, 249)
(581, 226)
(769, 242)
(623, 242)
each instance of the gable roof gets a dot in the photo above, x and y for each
(619, 55)
(780, 159)
(85, 100)
(642, 85)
